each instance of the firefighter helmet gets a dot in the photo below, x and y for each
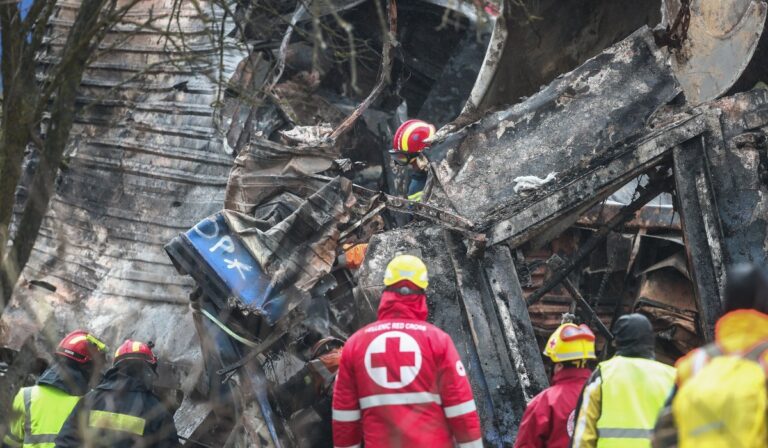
(135, 350)
(80, 346)
(406, 267)
(411, 135)
(571, 342)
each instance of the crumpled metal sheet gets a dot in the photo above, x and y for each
(301, 248)
(266, 169)
(568, 124)
(145, 162)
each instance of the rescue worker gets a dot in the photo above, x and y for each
(549, 419)
(408, 145)
(623, 397)
(40, 411)
(122, 411)
(306, 396)
(401, 382)
(720, 397)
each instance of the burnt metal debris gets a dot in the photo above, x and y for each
(251, 281)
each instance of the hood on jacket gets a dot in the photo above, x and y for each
(66, 375)
(571, 374)
(740, 330)
(746, 288)
(633, 337)
(129, 376)
(402, 306)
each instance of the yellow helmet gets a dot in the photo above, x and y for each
(571, 342)
(406, 267)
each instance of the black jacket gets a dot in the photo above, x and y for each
(121, 412)
(66, 375)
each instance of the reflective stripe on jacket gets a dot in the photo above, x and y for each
(38, 415)
(121, 412)
(621, 402)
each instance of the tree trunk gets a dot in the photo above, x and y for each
(20, 98)
(81, 42)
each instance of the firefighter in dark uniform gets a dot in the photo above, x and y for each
(122, 411)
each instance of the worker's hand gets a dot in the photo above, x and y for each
(421, 162)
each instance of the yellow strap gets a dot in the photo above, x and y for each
(116, 422)
(11, 440)
(416, 197)
(407, 135)
(95, 341)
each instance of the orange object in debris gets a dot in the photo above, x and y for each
(355, 255)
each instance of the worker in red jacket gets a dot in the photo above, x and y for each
(401, 382)
(549, 419)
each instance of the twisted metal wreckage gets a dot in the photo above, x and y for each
(635, 122)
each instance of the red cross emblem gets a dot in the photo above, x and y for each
(393, 359)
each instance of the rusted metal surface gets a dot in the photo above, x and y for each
(650, 217)
(667, 297)
(719, 44)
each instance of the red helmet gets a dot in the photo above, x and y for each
(135, 350)
(80, 346)
(410, 136)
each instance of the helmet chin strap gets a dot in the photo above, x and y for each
(404, 290)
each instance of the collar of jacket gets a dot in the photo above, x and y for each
(638, 351)
(119, 378)
(64, 377)
(571, 374)
(398, 306)
(741, 330)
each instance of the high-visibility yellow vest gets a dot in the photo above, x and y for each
(416, 197)
(40, 412)
(633, 392)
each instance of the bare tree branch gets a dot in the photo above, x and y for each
(390, 41)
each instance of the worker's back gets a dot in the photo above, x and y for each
(122, 411)
(622, 400)
(40, 412)
(633, 392)
(722, 398)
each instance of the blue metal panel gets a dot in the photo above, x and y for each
(227, 257)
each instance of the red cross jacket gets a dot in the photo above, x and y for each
(401, 383)
(549, 419)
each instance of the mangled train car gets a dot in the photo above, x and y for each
(629, 176)
(621, 120)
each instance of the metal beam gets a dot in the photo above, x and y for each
(700, 219)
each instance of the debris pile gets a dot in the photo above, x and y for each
(625, 184)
